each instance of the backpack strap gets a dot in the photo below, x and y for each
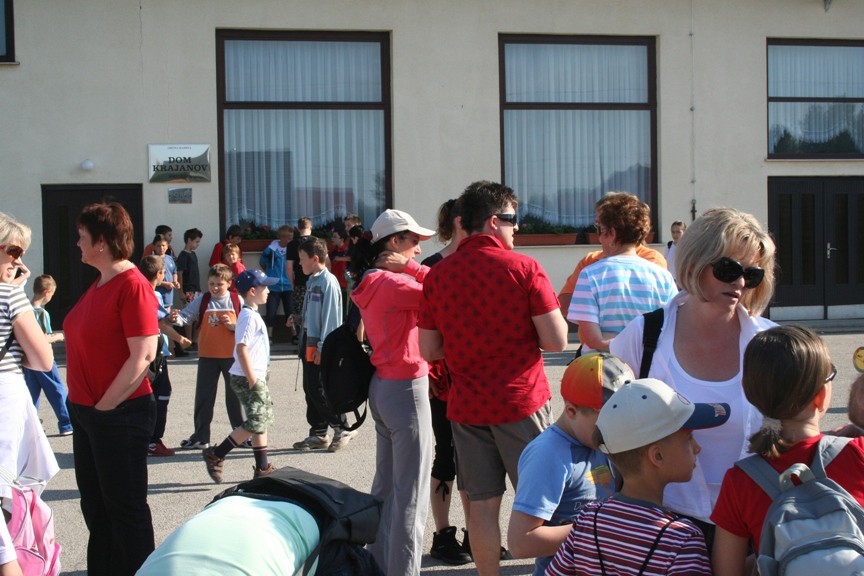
(235, 301)
(650, 338)
(762, 473)
(828, 449)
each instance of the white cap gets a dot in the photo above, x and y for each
(393, 221)
(644, 411)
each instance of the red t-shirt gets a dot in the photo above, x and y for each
(742, 504)
(481, 299)
(96, 331)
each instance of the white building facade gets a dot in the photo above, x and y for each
(328, 107)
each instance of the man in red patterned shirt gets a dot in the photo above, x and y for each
(489, 311)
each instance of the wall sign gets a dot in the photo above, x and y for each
(179, 162)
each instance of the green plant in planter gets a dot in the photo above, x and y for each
(531, 224)
(254, 231)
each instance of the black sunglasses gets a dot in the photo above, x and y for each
(12, 250)
(832, 375)
(511, 218)
(728, 270)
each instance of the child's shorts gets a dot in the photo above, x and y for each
(256, 402)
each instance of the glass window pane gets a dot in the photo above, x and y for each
(3, 27)
(575, 73)
(283, 164)
(815, 128)
(302, 71)
(560, 162)
(815, 71)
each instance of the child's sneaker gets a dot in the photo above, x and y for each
(447, 549)
(214, 464)
(190, 444)
(313, 443)
(258, 472)
(340, 440)
(159, 449)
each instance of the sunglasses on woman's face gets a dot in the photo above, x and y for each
(728, 270)
(12, 250)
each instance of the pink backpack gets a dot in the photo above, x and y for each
(32, 531)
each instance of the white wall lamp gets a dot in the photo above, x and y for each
(87, 165)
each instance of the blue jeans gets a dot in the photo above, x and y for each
(110, 450)
(55, 391)
(273, 300)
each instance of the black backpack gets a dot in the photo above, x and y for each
(346, 371)
(347, 518)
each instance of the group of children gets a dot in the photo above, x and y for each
(590, 493)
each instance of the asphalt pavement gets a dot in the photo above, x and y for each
(180, 486)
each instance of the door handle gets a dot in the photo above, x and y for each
(828, 250)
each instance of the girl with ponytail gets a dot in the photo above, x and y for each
(788, 377)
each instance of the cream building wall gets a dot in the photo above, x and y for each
(102, 79)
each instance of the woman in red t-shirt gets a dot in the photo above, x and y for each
(787, 376)
(111, 337)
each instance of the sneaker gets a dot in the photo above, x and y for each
(190, 444)
(447, 549)
(159, 449)
(258, 472)
(214, 464)
(466, 546)
(340, 440)
(65, 432)
(313, 443)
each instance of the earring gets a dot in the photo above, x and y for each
(101, 249)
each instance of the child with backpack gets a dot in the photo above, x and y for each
(646, 429)
(322, 313)
(787, 376)
(215, 311)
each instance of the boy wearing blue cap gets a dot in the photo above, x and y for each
(646, 429)
(249, 375)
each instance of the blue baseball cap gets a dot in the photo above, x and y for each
(252, 278)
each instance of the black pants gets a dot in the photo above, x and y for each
(110, 450)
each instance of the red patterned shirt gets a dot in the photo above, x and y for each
(481, 299)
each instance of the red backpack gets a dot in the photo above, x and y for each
(32, 531)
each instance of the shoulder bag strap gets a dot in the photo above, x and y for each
(7, 345)
(650, 338)
(655, 545)
(597, 541)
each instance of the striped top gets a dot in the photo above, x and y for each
(13, 302)
(614, 290)
(626, 529)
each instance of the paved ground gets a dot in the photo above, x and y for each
(180, 487)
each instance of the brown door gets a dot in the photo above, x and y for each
(61, 205)
(818, 225)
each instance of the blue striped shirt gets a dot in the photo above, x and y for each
(614, 290)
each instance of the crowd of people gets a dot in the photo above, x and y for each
(677, 378)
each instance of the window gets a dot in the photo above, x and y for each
(304, 126)
(815, 99)
(578, 120)
(7, 32)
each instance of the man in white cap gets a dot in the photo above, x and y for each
(646, 428)
(488, 312)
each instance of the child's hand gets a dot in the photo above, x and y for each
(189, 296)
(185, 342)
(177, 284)
(167, 285)
(225, 320)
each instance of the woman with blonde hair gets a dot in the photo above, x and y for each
(725, 266)
(24, 449)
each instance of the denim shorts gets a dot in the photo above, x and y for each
(256, 402)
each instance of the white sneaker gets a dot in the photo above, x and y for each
(313, 443)
(340, 440)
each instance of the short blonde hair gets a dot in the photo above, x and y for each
(722, 232)
(14, 232)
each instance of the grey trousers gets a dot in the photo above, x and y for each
(206, 385)
(405, 443)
